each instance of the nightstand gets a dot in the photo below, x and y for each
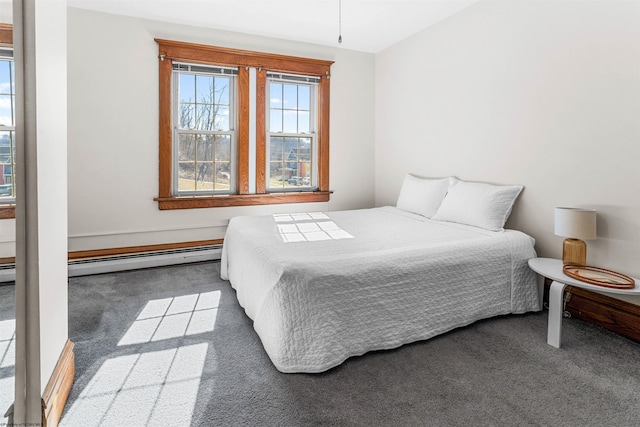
(552, 268)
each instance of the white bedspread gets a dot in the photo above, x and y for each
(321, 288)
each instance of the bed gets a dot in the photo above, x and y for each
(323, 287)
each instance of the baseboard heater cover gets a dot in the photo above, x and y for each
(133, 261)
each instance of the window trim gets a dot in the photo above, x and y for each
(170, 51)
(6, 35)
(7, 210)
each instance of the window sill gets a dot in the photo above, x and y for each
(166, 203)
(7, 211)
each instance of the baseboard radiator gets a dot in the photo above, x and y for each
(133, 261)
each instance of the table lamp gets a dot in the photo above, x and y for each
(576, 225)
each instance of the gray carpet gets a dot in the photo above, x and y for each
(497, 372)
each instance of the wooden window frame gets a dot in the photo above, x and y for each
(170, 51)
(7, 211)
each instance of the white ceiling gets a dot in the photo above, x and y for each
(367, 25)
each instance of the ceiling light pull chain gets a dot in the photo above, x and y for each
(340, 21)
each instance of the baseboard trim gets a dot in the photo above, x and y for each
(99, 253)
(82, 263)
(58, 388)
(613, 314)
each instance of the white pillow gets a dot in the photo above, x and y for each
(422, 195)
(482, 205)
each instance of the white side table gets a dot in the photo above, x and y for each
(552, 268)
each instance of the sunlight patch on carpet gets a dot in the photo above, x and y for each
(7, 390)
(7, 343)
(173, 318)
(7, 364)
(157, 388)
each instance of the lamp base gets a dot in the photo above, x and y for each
(574, 251)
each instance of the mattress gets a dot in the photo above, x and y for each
(323, 287)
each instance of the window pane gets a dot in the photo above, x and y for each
(277, 175)
(275, 149)
(6, 189)
(6, 114)
(304, 143)
(7, 78)
(204, 176)
(187, 116)
(12, 65)
(5, 146)
(275, 120)
(291, 149)
(7, 158)
(4, 77)
(304, 98)
(223, 176)
(305, 149)
(303, 122)
(186, 176)
(205, 148)
(290, 95)
(223, 148)
(222, 90)
(291, 160)
(204, 117)
(222, 118)
(204, 89)
(290, 121)
(187, 148)
(187, 88)
(305, 173)
(275, 93)
(292, 171)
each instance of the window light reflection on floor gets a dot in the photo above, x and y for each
(156, 388)
(7, 343)
(308, 227)
(7, 364)
(174, 317)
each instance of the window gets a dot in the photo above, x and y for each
(292, 144)
(241, 128)
(7, 124)
(204, 139)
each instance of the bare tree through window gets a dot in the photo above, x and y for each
(205, 139)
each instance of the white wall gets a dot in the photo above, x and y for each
(51, 116)
(544, 94)
(41, 212)
(113, 131)
(6, 11)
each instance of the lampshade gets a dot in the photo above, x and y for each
(576, 223)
